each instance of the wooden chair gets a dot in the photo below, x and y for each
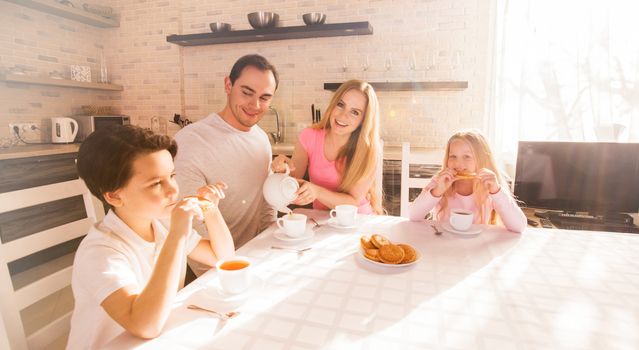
(431, 160)
(12, 300)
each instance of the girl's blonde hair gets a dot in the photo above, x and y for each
(361, 156)
(483, 159)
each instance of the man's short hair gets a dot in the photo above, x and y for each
(256, 61)
(105, 159)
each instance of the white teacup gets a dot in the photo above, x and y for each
(345, 214)
(460, 219)
(234, 274)
(294, 225)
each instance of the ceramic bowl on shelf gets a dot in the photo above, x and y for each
(314, 18)
(263, 19)
(217, 27)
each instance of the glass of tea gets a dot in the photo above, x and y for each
(234, 274)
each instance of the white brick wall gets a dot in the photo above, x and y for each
(41, 43)
(161, 78)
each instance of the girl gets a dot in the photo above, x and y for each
(469, 180)
(342, 153)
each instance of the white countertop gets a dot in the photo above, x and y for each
(542, 289)
(37, 150)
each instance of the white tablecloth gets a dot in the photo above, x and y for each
(543, 289)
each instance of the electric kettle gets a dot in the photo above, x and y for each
(63, 130)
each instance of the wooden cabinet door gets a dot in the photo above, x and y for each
(21, 173)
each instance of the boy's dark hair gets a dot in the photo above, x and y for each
(105, 158)
(256, 61)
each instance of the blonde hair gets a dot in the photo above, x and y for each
(360, 157)
(483, 159)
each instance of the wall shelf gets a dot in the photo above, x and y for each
(79, 15)
(25, 79)
(411, 86)
(281, 33)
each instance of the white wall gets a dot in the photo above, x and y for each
(160, 78)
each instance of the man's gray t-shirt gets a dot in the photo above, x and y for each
(211, 150)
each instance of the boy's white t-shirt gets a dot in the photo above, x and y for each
(110, 257)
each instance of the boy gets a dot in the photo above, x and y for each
(126, 271)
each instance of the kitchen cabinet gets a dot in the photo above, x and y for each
(277, 33)
(45, 211)
(34, 172)
(72, 13)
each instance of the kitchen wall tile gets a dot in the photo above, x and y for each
(40, 43)
(162, 79)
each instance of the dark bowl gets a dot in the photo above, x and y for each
(217, 27)
(314, 18)
(262, 19)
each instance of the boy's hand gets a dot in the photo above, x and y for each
(489, 180)
(278, 165)
(442, 182)
(182, 216)
(213, 193)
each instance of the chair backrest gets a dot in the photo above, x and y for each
(430, 159)
(379, 172)
(4, 337)
(13, 299)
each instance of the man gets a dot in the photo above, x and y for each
(228, 146)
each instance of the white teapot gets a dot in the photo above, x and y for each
(279, 190)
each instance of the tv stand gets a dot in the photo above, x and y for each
(617, 222)
(617, 218)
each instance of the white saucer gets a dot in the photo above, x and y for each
(473, 230)
(361, 255)
(286, 238)
(333, 223)
(215, 291)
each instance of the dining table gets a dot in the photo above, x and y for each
(496, 289)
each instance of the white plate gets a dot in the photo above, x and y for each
(215, 291)
(286, 238)
(473, 230)
(333, 223)
(361, 255)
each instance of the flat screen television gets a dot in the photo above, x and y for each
(597, 178)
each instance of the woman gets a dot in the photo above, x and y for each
(342, 153)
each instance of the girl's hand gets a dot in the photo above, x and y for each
(307, 193)
(441, 182)
(489, 180)
(213, 192)
(278, 165)
(182, 216)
